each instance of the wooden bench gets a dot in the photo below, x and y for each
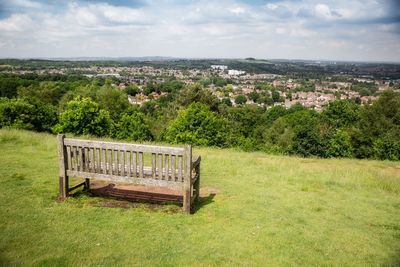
(160, 166)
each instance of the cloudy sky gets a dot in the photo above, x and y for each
(305, 29)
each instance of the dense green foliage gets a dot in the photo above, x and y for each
(197, 125)
(23, 114)
(192, 114)
(133, 126)
(84, 117)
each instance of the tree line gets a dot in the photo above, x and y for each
(193, 115)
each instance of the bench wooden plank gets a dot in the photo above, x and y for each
(153, 165)
(140, 164)
(134, 161)
(160, 167)
(125, 146)
(173, 167)
(125, 179)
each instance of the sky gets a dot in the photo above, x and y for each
(352, 30)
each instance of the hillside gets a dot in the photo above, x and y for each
(267, 210)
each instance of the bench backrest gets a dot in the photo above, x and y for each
(126, 163)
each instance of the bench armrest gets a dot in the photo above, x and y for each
(195, 161)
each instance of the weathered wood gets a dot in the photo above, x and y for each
(122, 161)
(76, 186)
(196, 161)
(187, 183)
(126, 179)
(173, 168)
(115, 162)
(134, 162)
(153, 165)
(104, 160)
(76, 158)
(118, 162)
(126, 146)
(160, 166)
(63, 178)
(129, 162)
(93, 159)
(140, 164)
(166, 167)
(87, 184)
(109, 161)
(81, 158)
(98, 161)
(69, 161)
(180, 167)
(86, 158)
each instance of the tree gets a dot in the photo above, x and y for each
(311, 136)
(241, 99)
(196, 93)
(378, 128)
(132, 90)
(226, 101)
(112, 100)
(279, 137)
(254, 96)
(84, 116)
(276, 96)
(341, 113)
(27, 114)
(340, 145)
(245, 118)
(133, 127)
(274, 113)
(197, 125)
(47, 92)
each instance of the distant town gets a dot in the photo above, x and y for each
(234, 85)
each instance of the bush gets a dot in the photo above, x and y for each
(196, 93)
(30, 115)
(197, 125)
(340, 145)
(341, 113)
(133, 127)
(241, 99)
(387, 147)
(279, 137)
(132, 90)
(112, 100)
(83, 116)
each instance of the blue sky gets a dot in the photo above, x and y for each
(306, 29)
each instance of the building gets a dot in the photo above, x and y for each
(219, 67)
(236, 72)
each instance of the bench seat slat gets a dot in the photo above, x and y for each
(126, 179)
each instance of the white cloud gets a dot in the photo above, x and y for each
(26, 3)
(323, 11)
(237, 10)
(16, 23)
(272, 6)
(225, 28)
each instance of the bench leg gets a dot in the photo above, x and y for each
(87, 184)
(196, 187)
(63, 187)
(186, 201)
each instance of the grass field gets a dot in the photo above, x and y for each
(268, 211)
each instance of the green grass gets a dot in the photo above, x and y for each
(269, 210)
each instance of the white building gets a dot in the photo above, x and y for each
(236, 72)
(219, 67)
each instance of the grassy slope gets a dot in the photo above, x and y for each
(270, 210)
